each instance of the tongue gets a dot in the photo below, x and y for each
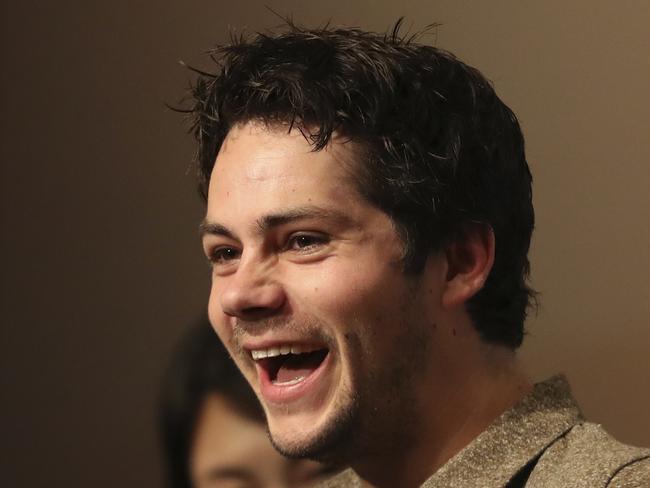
(298, 366)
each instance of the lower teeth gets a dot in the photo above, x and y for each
(294, 381)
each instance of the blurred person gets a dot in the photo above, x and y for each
(369, 216)
(213, 428)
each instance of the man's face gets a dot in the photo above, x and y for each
(308, 292)
(230, 450)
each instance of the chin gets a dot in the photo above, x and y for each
(330, 442)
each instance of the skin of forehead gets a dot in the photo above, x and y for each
(228, 441)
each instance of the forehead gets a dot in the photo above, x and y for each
(262, 166)
(224, 441)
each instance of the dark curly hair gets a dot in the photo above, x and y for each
(440, 151)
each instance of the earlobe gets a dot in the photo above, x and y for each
(469, 261)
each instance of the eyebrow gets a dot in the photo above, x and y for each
(213, 228)
(270, 221)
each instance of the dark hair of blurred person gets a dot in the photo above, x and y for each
(212, 426)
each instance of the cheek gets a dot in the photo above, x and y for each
(216, 316)
(342, 291)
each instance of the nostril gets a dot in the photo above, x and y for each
(254, 313)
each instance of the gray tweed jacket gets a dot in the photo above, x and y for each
(542, 442)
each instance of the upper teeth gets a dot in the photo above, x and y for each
(272, 352)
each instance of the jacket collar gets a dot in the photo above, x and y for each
(514, 439)
(518, 436)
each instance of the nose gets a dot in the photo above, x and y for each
(251, 293)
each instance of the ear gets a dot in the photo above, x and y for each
(469, 261)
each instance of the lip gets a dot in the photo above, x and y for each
(283, 394)
(250, 345)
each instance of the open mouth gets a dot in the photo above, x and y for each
(289, 365)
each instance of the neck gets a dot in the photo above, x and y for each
(458, 408)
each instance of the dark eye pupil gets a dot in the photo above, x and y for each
(304, 241)
(226, 254)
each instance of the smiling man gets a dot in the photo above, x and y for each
(368, 222)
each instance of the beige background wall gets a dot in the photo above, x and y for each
(101, 267)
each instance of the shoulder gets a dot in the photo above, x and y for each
(587, 456)
(636, 474)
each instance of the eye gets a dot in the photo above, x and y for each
(224, 255)
(305, 242)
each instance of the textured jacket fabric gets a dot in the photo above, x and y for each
(542, 442)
